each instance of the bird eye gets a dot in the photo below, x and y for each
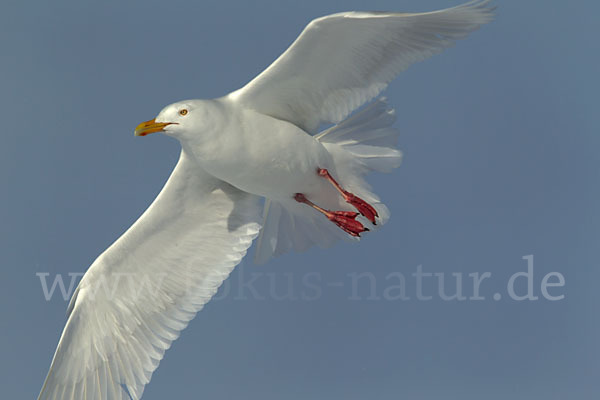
(183, 112)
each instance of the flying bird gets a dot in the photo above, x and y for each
(259, 142)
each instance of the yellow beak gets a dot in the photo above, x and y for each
(151, 126)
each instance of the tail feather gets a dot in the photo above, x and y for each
(360, 144)
(372, 123)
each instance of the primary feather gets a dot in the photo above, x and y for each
(145, 288)
(343, 60)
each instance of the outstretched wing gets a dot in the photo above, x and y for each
(145, 288)
(341, 61)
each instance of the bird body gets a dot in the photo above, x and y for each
(261, 141)
(284, 157)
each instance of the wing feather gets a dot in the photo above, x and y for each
(144, 289)
(343, 60)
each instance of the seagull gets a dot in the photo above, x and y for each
(262, 141)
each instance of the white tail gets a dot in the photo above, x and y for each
(363, 143)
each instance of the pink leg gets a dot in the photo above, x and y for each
(346, 220)
(362, 206)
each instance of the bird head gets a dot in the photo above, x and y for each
(180, 120)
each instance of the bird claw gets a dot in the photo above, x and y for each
(346, 220)
(367, 210)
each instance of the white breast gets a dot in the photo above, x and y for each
(265, 156)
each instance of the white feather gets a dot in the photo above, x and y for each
(361, 144)
(343, 60)
(145, 288)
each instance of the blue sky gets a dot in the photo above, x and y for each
(500, 140)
